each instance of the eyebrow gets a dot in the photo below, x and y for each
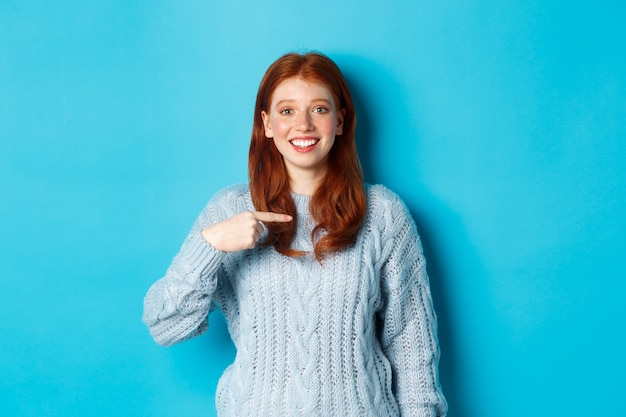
(316, 100)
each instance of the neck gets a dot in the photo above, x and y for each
(305, 183)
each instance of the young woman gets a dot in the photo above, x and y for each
(320, 277)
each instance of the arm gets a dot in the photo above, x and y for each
(409, 329)
(176, 306)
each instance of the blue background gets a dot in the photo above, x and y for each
(500, 123)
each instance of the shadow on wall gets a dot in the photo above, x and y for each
(372, 85)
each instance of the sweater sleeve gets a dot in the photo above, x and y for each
(177, 305)
(409, 329)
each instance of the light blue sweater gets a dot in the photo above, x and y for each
(353, 336)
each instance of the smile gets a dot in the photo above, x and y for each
(303, 143)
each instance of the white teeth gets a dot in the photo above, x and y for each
(303, 143)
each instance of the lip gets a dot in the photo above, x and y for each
(304, 143)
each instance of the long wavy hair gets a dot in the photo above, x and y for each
(338, 204)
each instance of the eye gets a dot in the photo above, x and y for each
(320, 109)
(286, 111)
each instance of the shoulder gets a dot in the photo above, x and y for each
(231, 193)
(379, 191)
(389, 216)
(227, 202)
(382, 202)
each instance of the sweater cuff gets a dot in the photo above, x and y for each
(199, 260)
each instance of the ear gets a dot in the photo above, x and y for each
(340, 116)
(267, 125)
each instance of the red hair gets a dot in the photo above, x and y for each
(338, 204)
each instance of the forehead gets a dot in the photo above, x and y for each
(298, 88)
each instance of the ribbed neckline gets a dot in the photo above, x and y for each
(302, 202)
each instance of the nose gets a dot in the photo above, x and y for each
(304, 121)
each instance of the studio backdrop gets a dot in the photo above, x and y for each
(501, 124)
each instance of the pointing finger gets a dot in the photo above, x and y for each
(266, 216)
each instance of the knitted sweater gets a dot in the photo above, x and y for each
(353, 336)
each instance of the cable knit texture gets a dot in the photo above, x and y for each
(353, 336)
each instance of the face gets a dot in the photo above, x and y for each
(303, 121)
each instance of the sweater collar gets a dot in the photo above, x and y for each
(302, 202)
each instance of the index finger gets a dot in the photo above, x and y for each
(267, 216)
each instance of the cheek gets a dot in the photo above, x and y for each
(280, 128)
(330, 125)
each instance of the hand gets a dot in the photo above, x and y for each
(242, 231)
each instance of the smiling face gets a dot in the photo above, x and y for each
(303, 121)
